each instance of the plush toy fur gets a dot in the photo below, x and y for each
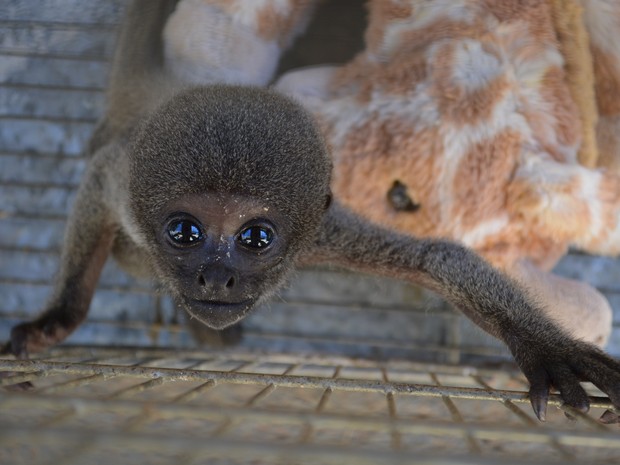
(481, 121)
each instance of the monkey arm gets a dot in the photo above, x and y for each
(546, 354)
(88, 240)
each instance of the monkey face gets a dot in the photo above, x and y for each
(221, 254)
(227, 185)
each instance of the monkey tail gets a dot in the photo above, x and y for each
(139, 49)
(137, 79)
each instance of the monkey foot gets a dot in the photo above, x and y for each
(32, 337)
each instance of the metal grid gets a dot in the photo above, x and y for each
(98, 405)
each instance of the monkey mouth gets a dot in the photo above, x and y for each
(217, 314)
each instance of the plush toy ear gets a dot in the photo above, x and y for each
(309, 85)
(400, 199)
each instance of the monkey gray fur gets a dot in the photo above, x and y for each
(220, 191)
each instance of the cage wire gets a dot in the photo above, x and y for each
(92, 405)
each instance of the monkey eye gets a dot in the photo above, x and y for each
(256, 237)
(184, 232)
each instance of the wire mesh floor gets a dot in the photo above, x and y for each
(101, 405)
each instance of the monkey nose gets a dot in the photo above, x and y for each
(217, 279)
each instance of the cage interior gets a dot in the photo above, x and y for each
(338, 369)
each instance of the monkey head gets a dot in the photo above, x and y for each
(227, 185)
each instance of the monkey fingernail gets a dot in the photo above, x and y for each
(572, 412)
(540, 408)
(609, 418)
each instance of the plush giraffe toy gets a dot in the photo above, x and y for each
(495, 123)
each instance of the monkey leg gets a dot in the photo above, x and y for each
(69, 306)
(576, 306)
(88, 241)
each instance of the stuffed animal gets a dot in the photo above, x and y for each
(490, 122)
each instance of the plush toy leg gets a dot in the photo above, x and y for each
(577, 306)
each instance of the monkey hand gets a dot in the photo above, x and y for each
(563, 366)
(25, 338)
(31, 337)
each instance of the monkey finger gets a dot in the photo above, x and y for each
(571, 391)
(603, 372)
(609, 418)
(539, 392)
(539, 396)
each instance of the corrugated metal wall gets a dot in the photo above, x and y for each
(53, 67)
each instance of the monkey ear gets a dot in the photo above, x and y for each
(328, 200)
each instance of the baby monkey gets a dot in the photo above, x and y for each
(221, 191)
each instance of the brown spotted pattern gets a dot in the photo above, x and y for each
(466, 103)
